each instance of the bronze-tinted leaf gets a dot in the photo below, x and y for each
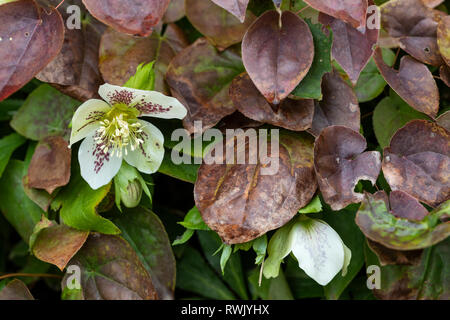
(74, 71)
(444, 72)
(413, 82)
(58, 244)
(432, 3)
(444, 120)
(390, 256)
(30, 37)
(418, 161)
(405, 206)
(121, 54)
(350, 11)
(134, 17)
(200, 78)
(15, 290)
(175, 11)
(352, 49)
(50, 166)
(220, 27)
(443, 39)
(41, 197)
(377, 221)
(111, 270)
(240, 203)
(414, 26)
(236, 7)
(340, 162)
(339, 105)
(277, 55)
(296, 115)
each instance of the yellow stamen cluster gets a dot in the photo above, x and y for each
(119, 130)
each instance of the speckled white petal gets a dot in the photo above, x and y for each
(149, 103)
(149, 156)
(318, 249)
(86, 119)
(97, 168)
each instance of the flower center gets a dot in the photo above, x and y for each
(120, 129)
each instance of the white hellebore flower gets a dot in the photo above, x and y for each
(112, 131)
(319, 250)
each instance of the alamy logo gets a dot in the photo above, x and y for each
(73, 281)
(374, 279)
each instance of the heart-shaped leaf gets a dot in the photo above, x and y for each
(417, 161)
(134, 17)
(30, 37)
(284, 46)
(200, 77)
(413, 82)
(414, 26)
(296, 115)
(340, 162)
(241, 204)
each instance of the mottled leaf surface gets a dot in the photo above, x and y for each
(340, 162)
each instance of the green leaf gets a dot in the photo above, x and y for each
(311, 86)
(270, 289)
(391, 114)
(233, 274)
(8, 108)
(430, 280)
(46, 112)
(226, 253)
(343, 222)
(194, 275)
(144, 78)
(260, 248)
(313, 207)
(17, 208)
(78, 204)
(145, 233)
(301, 284)
(184, 172)
(371, 83)
(193, 220)
(184, 237)
(7, 146)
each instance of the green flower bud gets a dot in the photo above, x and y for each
(129, 186)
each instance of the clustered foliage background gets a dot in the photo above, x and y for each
(335, 87)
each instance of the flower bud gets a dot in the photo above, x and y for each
(128, 186)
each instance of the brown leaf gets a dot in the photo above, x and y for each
(339, 105)
(50, 166)
(352, 49)
(74, 71)
(444, 72)
(432, 3)
(111, 270)
(418, 161)
(120, 54)
(277, 58)
(41, 197)
(175, 11)
(237, 120)
(443, 39)
(291, 114)
(390, 256)
(240, 203)
(405, 206)
(134, 17)
(414, 25)
(30, 37)
(220, 27)
(340, 162)
(350, 11)
(413, 82)
(200, 78)
(444, 120)
(236, 7)
(15, 290)
(58, 244)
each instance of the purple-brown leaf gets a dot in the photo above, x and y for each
(340, 162)
(135, 17)
(236, 7)
(30, 37)
(413, 82)
(15, 290)
(277, 59)
(295, 115)
(418, 161)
